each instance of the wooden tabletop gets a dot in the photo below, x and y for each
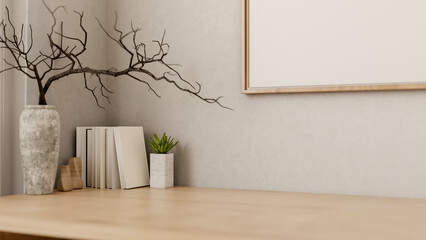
(198, 213)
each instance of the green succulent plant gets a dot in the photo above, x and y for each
(163, 145)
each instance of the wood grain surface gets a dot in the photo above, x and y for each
(197, 213)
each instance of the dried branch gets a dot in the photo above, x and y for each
(62, 60)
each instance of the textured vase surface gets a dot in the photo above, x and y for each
(39, 131)
(161, 170)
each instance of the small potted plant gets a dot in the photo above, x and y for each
(161, 162)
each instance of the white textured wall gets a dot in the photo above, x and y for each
(347, 143)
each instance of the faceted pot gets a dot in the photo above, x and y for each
(39, 131)
(161, 170)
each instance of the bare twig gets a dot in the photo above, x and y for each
(62, 59)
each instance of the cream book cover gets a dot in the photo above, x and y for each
(131, 157)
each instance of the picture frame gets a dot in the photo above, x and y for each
(248, 54)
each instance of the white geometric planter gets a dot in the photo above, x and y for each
(161, 170)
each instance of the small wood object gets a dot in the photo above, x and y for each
(65, 181)
(75, 167)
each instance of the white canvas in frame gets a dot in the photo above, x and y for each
(333, 45)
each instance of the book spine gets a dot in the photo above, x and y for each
(97, 160)
(109, 141)
(83, 155)
(78, 149)
(81, 149)
(119, 151)
(89, 157)
(102, 160)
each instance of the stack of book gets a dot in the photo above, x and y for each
(112, 157)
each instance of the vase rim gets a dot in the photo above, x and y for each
(39, 107)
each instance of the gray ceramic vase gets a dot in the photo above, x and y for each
(39, 139)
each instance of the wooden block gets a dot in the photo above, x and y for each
(75, 167)
(65, 180)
